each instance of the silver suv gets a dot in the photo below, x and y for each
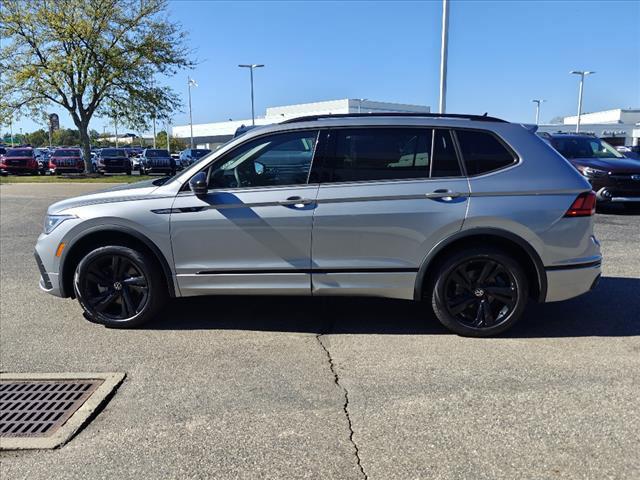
(473, 214)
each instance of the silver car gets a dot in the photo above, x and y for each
(473, 214)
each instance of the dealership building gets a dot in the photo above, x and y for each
(617, 127)
(210, 135)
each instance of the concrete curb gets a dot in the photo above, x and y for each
(111, 380)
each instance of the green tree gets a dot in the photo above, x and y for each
(66, 137)
(177, 144)
(39, 138)
(78, 54)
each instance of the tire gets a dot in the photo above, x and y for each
(119, 287)
(471, 306)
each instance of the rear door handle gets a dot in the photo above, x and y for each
(297, 202)
(443, 194)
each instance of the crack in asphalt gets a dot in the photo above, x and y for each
(345, 406)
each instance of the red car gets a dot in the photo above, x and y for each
(19, 160)
(66, 160)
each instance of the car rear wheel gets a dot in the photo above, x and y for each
(479, 292)
(119, 287)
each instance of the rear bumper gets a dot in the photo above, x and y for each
(618, 195)
(571, 281)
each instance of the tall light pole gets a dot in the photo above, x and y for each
(191, 82)
(443, 56)
(11, 128)
(251, 67)
(154, 132)
(168, 138)
(582, 73)
(538, 102)
(115, 126)
(360, 100)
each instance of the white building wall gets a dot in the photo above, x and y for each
(616, 115)
(279, 114)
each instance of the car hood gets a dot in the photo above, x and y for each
(609, 164)
(121, 193)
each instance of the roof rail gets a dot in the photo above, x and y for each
(478, 118)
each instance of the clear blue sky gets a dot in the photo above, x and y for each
(502, 54)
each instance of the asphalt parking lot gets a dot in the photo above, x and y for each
(334, 388)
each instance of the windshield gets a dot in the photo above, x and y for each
(19, 152)
(156, 153)
(112, 152)
(66, 153)
(584, 147)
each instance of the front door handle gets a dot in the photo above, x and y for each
(446, 195)
(297, 202)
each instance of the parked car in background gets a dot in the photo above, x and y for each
(156, 160)
(176, 159)
(473, 214)
(630, 152)
(42, 156)
(66, 160)
(614, 178)
(3, 170)
(21, 160)
(113, 160)
(190, 156)
(135, 163)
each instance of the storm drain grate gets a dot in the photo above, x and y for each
(39, 408)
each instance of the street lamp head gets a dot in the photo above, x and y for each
(581, 72)
(251, 65)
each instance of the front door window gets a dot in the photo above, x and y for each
(274, 160)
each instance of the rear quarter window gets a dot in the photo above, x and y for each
(482, 152)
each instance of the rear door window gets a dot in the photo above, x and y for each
(363, 154)
(372, 154)
(482, 152)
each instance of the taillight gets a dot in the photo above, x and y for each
(52, 163)
(583, 206)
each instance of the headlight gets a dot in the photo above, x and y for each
(592, 172)
(52, 221)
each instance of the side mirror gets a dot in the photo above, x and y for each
(198, 184)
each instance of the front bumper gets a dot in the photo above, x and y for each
(110, 169)
(61, 170)
(17, 170)
(158, 170)
(48, 280)
(571, 281)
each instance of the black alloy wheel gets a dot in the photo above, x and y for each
(480, 292)
(119, 287)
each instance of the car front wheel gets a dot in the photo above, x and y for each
(479, 292)
(119, 287)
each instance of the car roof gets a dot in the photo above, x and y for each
(381, 120)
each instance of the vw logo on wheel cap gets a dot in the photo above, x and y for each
(117, 286)
(478, 292)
